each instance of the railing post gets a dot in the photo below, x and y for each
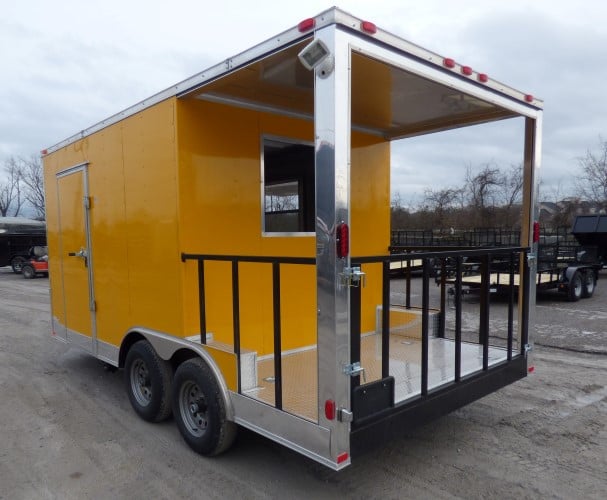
(511, 307)
(484, 308)
(277, 335)
(385, 330)
(443, 283)
(202, 303)
(236, 317)
(425, 321)
(458, 318)
(408, 285)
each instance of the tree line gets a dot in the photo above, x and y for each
(22, 190)
(490, 197)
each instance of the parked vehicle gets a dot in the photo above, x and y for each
(37, 264)
(591, 232)
(568, 264)
(17, 236)
(263, 298)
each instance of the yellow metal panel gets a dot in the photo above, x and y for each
(135, 250)
(108, 234)
(220, 213)
(150, 186)
(226, 362)
(72, 240)
(370, 215)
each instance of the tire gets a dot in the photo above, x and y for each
(28, 271)
(199, 409)
(575, 287)
(588, 284)
(17, 263)
(148, 380)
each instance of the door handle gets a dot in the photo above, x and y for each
(82, 253)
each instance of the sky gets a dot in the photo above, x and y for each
(66, 65)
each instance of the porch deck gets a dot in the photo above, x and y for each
(300, 370)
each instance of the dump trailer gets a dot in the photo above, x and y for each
(591, 232)
(259, 193)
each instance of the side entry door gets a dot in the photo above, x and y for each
(75, 255)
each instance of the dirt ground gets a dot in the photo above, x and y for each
(67, 429)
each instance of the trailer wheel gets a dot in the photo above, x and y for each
(148, 380)
(17, 263)
(575, 287)
(588, 284)
(199, 409)
(28, 271)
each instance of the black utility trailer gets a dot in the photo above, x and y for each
(569, 265)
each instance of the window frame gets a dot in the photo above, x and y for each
(296, 178)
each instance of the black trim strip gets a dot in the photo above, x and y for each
(385, 322)
(236, 318)
(202, 303)
(277, 336)
(249, 258)
(425, 324)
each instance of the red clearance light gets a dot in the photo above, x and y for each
(43, 152)
(330, 409)
(466, 70)
(369, 27)
(306, 24)
(343, 240)
(529, 98)
(531, 369)
(448, 62)
(536, 232)
(483, 78)
(342, 457)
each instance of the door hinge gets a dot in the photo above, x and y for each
(87, 202)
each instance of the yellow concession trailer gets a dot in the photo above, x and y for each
(226, 242)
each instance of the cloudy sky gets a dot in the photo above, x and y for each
(68, 64)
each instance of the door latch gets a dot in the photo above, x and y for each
(355, 369)
(353, 277)
(82, 253)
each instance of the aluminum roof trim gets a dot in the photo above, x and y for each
(287, 38)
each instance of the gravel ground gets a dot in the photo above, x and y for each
(68, 430)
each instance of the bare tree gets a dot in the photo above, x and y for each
(483, 190)
(24, 184)
(11, 199)
(592, 182)
(442, 203)
(33, 179)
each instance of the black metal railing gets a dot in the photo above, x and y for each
(447, 267)
(235, 260)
